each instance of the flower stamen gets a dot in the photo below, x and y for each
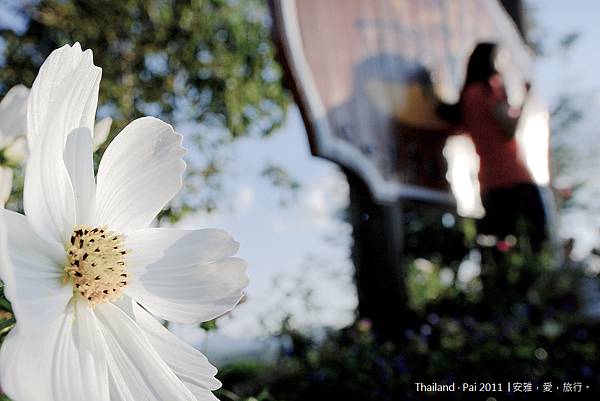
(97, 264)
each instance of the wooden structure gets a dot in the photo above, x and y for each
(367, 76)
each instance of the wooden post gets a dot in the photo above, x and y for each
(377, 257)
(357, 71)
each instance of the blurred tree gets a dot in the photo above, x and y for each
(207, 64)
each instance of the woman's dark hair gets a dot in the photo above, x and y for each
(480, 68)
(481, 64)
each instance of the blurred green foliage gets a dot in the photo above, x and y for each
(7, 320)
(205, 64)
(523, 325)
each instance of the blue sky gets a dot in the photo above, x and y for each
(303, 246)
(574, 73)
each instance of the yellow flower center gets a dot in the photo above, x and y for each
(97, 264)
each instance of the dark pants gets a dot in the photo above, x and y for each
(516, 210)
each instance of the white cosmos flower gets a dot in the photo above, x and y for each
(83, 258)
(13, 109)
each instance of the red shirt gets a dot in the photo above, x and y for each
(500, 162)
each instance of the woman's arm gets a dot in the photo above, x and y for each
(507, 115)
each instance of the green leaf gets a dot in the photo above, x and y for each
(5, 305)
(6, 325)
(211, 325)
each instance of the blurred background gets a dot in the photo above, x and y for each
(361, 284)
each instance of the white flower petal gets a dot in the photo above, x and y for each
(79, 162)
(6, 179)
(33, 275)
(48, 197)
(101, 130)
(139, 173)
(13, 113)
(136, 371)
(170, 248)
(64, 94)
(79, 366)
(64, 361)
(7, 274)
(25, 360)
(63, 97)
(189, 364)
(185, 275)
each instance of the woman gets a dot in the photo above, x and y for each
(508, 192)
